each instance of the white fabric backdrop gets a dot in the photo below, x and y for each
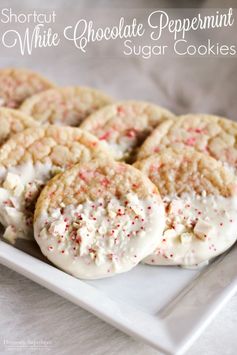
(30, 312)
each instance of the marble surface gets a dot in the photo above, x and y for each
(30, 314)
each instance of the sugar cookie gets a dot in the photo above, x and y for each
(13, 121)
(201, 203)
(98, 219)
(16, 85)
(65, 106)
(125, 125)
(28, 160)
(212, 135)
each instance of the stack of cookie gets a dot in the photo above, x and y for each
(103, 185)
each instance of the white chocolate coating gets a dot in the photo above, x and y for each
(102, 238)
(20, 186)
(198, 228)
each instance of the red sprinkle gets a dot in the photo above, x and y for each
(104, 136)
(131, 133)
(190, 141)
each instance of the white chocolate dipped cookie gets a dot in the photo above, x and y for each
(200, 196)
(212, 135)
(27, 161)
(125, 125)
(67, 106)
(16, 85)
(98, 219)
(13, 121)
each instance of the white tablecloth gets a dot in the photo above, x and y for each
(31, 313)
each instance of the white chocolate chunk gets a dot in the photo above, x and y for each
(13, 183)
(58, 228)
(10, 234)
(203, 229)
(170, 233)
(179, 228)
(186, 238)
(175, 206)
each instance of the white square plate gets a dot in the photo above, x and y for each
(166, 307)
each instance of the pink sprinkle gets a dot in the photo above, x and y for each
(131, 133)
(105, 182)
(120, 109)
(190, 141)
(104, 136)
(135, 186)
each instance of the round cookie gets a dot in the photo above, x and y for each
(16, 85)
(13, 121)
(98, 219)
(200, 196)
(125, 125)
(65, 106)
(212, 135)
(28, 160)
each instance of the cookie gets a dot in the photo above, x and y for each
(125, 125)
(200, 196)
(16, 85)
(65, 106)
(212, 135)
(98, 219)
(13, 121)
(28, 160)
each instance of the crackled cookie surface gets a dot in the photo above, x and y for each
(125, 125)
(13, 121)
(98, 219)
(16, 85)
(27, 161)
(212, 135)
(200, 196)
(65, 106)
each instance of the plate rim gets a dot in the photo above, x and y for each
(112, 311)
